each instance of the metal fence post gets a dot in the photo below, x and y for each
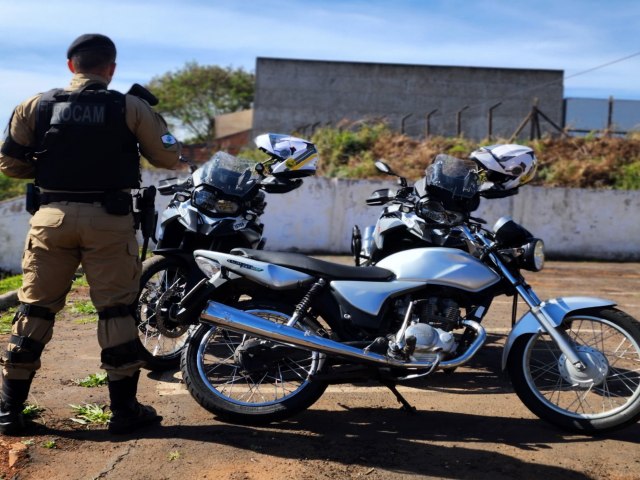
(427, 131)
(609, 117)
(458, 120)
(490, 128)
(403, 121)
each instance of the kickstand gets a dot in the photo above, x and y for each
(406, 406)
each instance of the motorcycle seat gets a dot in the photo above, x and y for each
(316, 267)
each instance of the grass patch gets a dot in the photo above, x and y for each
(90, 414)
(9, 284)
(86, 309)
(93, 380)
(83, 307)
(175, 455)
(32, 410)
(85, 320)
(49, 444)
(6, 319)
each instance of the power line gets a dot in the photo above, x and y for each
(603, 65)
(546, 84)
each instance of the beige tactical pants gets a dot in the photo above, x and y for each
(62, 236)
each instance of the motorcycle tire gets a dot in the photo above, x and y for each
(603, 399)
(162, 285)
(245, 380)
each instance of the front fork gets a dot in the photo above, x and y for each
(539, 311)
(538, 308)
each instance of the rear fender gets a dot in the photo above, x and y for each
(269, 275)
(557, 309)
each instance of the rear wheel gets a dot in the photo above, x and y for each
(605, 396)
(162, 286)
(247, 380)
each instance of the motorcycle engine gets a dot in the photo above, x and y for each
(429, 339)
(441, 313)
(432, 326)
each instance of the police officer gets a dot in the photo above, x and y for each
(82, 145)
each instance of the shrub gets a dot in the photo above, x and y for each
(11, 187)
(628, 177)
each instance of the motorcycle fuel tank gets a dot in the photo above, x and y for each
(440, 266)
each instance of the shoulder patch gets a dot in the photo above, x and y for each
(168, 140)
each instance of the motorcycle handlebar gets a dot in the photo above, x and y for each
(169, 186)
(192, 166)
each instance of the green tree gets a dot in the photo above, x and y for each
(192, 96)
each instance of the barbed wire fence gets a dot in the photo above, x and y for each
(580, 116)
(621, 118)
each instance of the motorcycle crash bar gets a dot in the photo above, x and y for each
(244, 323)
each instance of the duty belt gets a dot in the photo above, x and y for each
(46, 198)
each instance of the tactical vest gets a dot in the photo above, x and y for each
(84, 143)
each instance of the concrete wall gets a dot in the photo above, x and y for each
(319, 216)
(293, 93)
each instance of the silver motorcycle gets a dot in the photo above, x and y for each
(573, 361)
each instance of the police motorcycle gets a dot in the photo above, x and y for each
(573, 361)
(218, 207)
(504, 167)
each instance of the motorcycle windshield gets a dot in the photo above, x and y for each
(454, 175)
(229, 174)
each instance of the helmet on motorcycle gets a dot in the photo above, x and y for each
(504, 167)
(294, 157)
(453, 182)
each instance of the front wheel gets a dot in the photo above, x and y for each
(162, 286)
(246, 380)
(602, 398)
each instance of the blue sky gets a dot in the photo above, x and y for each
(157, 36)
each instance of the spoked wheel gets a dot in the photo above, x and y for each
(603, 397)
(162, 284)
(247, 380)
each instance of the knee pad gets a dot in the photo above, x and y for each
(33, 311)
(29, 351)
(113, 312)
(122, 354)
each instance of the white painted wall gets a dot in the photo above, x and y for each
(319, 216)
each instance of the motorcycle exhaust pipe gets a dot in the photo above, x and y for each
(245, 323)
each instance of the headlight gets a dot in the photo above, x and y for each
(227, 206)
(209, 202)
(204, 200)
(209, 267)
(533, 255)
(432, 211)
(510, 234)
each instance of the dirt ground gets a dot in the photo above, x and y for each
(468, 425)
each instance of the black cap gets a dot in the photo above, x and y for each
(91, 41)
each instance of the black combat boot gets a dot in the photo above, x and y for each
(127, 414)
(14, 394)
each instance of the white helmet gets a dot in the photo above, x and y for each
(294, 156)
(505, 167)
